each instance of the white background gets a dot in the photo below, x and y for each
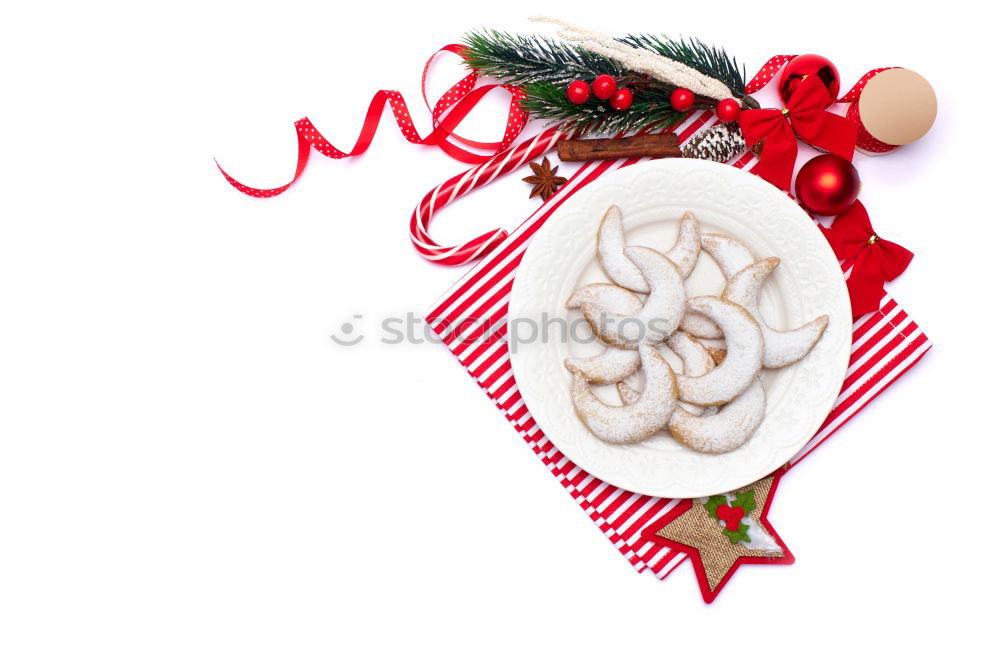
(191, 472)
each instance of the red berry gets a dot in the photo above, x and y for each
(604, 86)
(728, 110)
(682, 99)
(730, 515)
(622, 100)
(578, 92)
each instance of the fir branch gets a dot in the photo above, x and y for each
(522, 59)
(649, 111)
(709, 60)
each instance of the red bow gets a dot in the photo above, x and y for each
(876, 260)
(807, 118)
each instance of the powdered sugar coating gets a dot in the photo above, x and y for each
(700, 326)
(630, 423)
(611, 250)
(687, 248)
(696, 363)
(697, 360)
(611, 253)
(610, 366)
(658, 317)
(781, 348)
(731, 255)
(608, 297)
(744, 354)
(728, 429)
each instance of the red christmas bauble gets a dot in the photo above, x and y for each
(827, 184)
(682, 99)
(622, 99)
(802, 66)
(604, 86)
(578, 92)
(728, 110)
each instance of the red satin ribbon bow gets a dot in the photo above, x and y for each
(876, 260)
(806, 117)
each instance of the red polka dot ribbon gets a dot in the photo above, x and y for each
(766, 73)
(446, 114)
(865, 140)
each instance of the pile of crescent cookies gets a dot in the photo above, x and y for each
(713, 403)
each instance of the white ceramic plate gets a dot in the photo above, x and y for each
(653, 196)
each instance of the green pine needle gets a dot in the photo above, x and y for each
(521, 59)
(544, 66)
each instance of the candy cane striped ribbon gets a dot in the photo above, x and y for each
(887, 343)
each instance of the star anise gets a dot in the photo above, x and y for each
(545, 180)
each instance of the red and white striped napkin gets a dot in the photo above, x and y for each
(886, 344)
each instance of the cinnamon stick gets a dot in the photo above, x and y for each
(646, 145)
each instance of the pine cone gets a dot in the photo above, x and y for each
(719, 144)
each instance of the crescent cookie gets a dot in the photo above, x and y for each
(610, 366)
(744, 354)
(611, 250)
(781, 348)
(731, 255)
(697, 361)
(658, 317)
(728, 429)
(630, 423)
(700, 326)
(608, 297)
(611, 253)
(613, 364)
(685, 251)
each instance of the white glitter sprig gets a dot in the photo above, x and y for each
(642, 60)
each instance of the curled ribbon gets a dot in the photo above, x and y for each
(805, 117)
(875, 260)
(456, 103)
(446, 114)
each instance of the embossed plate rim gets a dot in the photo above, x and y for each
(744, 206)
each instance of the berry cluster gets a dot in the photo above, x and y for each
(604, 87)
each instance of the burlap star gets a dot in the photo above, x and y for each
(690, 528)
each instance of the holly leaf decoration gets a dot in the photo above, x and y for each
(746, 501)
(713, 504)
(735, 536)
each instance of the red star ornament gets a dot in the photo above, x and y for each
(708, 539)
